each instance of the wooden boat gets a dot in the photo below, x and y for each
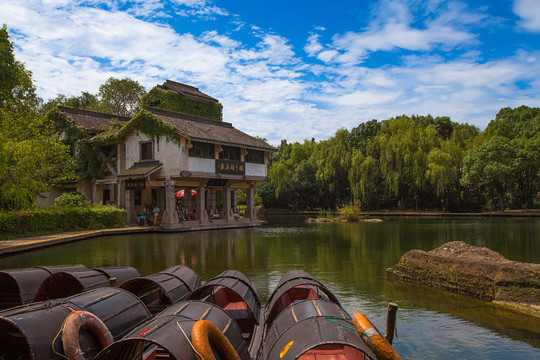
(304, 321)
(19, 286)
(233, 292)
(32, 331)
(169, 334)
(67, 283)
(221, 319)
(158, 291)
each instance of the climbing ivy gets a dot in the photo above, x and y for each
(145, 122)
(173, 101)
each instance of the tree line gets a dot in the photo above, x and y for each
(406, 162)
(413, 163)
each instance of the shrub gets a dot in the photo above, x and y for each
(58, 219)
(71, 199)
(349, 212)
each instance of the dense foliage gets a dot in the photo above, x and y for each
(413, 163)
(60, 219)
(31, 157)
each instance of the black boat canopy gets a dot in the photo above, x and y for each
(169, 333)
(235, 281)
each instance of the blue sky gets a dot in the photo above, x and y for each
(293, 69)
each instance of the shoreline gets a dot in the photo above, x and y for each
(508, 213)
(23, 244)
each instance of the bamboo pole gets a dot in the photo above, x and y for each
(391, 322)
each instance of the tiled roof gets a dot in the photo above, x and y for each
(209, 131)
(141, 169)
(186, 90)
(91, 120)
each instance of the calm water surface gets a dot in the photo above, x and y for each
(351, 260)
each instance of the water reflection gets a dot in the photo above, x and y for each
(351, 259)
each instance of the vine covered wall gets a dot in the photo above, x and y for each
(173, 101)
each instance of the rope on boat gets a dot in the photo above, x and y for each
(59, 331)
(188, 339)
(332, 318)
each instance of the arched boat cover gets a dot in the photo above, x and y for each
(294, 274)
(300, 311)
(312, 332)
(164, 288)
(63, 284)
(121, 273)
(235, 281)
(29, 331)
(163, 334)
(292, 279)
(19, 286)
(186, 274)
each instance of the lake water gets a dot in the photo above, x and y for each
(350, 259)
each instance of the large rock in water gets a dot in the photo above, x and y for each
(471, 270)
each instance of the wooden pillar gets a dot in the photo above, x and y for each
(235, 201)
(391, 322)
(227, 211)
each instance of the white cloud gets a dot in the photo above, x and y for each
(529, 12)
(268, 89)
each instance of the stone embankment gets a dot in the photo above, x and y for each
(475, 271)
(326, 220)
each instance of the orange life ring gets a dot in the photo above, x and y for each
(70, 335)
(383, 349)
(204, 333)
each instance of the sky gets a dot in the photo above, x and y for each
(293, 69)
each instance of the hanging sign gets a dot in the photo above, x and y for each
(230, 167)
(135, 184)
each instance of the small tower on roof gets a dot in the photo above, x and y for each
(187, 99)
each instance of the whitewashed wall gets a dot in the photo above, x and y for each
(168, 153)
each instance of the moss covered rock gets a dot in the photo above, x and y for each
(471, 270)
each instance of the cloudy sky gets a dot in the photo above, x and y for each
(293, 69)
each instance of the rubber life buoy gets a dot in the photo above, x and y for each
(204, 333)
(70, 335)
(383, 349)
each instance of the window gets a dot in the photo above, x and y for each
(202, 150)
(147, 151)
(255, 156)
(230, 153)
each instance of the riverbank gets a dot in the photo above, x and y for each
(12, 246)
(508, 213)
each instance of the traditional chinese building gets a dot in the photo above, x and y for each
(162, 154)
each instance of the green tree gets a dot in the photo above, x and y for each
(521, 126)
(120, 96)
(116, 96)
(488, 170)
(85, 101)
(362, 134)
(402, 146)
(332, 159)
(31, 157)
